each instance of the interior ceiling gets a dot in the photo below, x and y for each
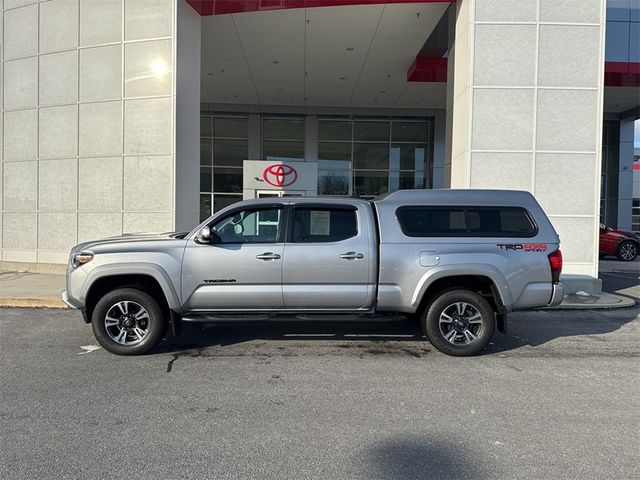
(620, 99)
(345, 56)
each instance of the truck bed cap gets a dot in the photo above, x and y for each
(458, 197)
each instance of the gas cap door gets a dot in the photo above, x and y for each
(429, 258)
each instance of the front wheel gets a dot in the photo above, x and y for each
(459, 323)
(128, 321)
(627, 251)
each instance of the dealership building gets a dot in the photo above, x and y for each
(124, 116)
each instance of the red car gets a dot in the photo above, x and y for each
(624, 245)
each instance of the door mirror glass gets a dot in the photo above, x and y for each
(204, 235)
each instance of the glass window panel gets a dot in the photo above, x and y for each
(370, 184)
(205, 179)
(409, 156)
(230, 153)
(230, 127)
(334, 165)
(333, 182)
(205, 151)
(205, 126)
(371, 156)
(283, 129)
(227, 180)
(406, 181)
(205, 206)
(334, 130)
(313, 225)
(417, 132)
(249, 226)
(223, 201)
(334, 151)
(283, 151)
(371, 131)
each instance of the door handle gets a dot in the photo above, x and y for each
(352, 256)
(268, 256)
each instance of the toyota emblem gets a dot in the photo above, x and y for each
(279, 175)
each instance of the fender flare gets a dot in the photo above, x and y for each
(478, 269)
(135, 268)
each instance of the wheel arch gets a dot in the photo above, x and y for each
(487, 282)
(147, 279)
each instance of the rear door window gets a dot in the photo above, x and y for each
(422, 221)
(319, 224)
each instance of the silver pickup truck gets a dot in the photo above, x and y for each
(458, 260)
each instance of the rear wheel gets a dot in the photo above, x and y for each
(128, 321)
(627, 251)
(459, 322)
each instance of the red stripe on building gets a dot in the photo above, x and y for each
(428, 69)
(220, 7)
(622, 74)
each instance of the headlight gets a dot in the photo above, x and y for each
(81, 258)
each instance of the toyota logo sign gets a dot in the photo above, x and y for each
(279, 175)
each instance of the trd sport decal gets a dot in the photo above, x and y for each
(526, 247)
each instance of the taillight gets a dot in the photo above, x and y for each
(555, 262)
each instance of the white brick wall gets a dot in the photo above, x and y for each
(87, 89)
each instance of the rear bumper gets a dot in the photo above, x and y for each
(557, 295)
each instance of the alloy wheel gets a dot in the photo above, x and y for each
(127, 322)
(628, 251)
(460, 323)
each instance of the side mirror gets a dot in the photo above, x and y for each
(204, 235)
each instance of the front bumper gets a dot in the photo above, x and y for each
(67, 301)
(557, 295)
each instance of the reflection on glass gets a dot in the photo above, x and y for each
(371, 131)
(222, 201)
(283, 129)
(230, 153)
(334, 130)
(417, 132)
(205, 151)
(370, 184)
(205, 127)
(334, 164)
(205, 206)
(205, 179)
(283, 151)
(371, 156)
(227, 180)
(408, 157)
(333, 182)
(230, 127)
(334, 151)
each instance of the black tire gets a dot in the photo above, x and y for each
(151, 324)
(464, 324)
(627, 251)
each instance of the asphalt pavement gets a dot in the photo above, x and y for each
(556, 398)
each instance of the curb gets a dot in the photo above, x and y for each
(50, 302)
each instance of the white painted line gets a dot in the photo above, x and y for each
(89, 349)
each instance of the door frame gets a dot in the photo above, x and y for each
(280, 193)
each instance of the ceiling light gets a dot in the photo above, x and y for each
(350, 49)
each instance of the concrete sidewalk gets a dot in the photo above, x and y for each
(23, 289)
